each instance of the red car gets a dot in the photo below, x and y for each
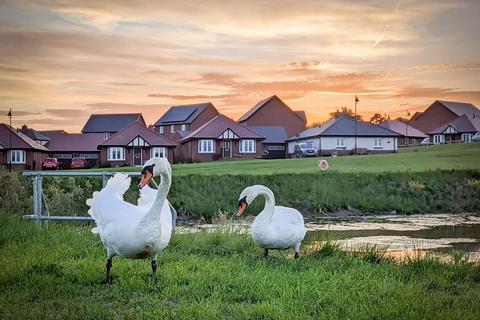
(50, 163)
(78, 163)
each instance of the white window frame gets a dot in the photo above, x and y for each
(340, 143)
(377, 143)
(184, 127)
(158, 152)
(467, 137)
(206, 146)
(438, 139)
(116, 154)
(248, 146)
(17, 157)
(172, 128)
(160, 129)
(106, 135)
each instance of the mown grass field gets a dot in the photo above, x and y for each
(443, 157)
(56, 273)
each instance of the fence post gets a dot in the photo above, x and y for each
(36, 207)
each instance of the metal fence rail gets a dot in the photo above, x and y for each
(40, 206)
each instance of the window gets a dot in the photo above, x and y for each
(377, 144)
(438, 139)
(88, 155)
(172, 128)
(206, 146)
(116, 153)
(467, 137)
(247, 146)
(17, 156)
(160, 129)
(275, 148)
(106, 135)
(158, 152)
(184, 127)
(340, 144)
(62, 155)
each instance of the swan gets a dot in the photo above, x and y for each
(134, 231)
(276, 227)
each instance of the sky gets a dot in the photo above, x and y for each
(60, 61)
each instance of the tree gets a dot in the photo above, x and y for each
(344, 111)
(378, 118)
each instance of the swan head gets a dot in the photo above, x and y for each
(246, 197)
(154, 167)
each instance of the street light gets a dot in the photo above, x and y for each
(407, 114)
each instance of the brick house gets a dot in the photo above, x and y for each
(461, 129)
(23, 152)
(133, 145)
(220, 138)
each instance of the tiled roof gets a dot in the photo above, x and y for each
(465, 123)
(133, 130)
(345, 126)
(33, 134)
(216, 126)
(460, 108)
(403, 128)
(262, 103)
(111, 122)
(75, 142)
(19, 140)
(272, 134)
(182, 114)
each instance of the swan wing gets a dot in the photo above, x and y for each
(108, 205)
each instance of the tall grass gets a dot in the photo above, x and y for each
(56, 273)
(205, 196)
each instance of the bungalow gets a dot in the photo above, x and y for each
(461, 129)
(108, 124)
(133, 145)
(440, 113)
(220, 138)
(180, 121)
(274, 112)
(408, 134)
(22, 152)
(337, 136)
(66, 146)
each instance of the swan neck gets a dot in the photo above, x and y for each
(153, 215)
(269, 201)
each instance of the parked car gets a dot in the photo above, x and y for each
(304, 150)
(476, 137)
(50, 163)
(78, 163)
(425, 142)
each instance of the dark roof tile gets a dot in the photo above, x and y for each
(111, 122)
(182, 114)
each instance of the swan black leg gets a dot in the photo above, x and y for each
(108, 279)
(265, 253)
(154, 271)
(297, 255)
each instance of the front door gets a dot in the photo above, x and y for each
(227, 151)
(137, 156)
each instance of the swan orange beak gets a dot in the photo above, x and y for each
(145, 179)
(242, 206)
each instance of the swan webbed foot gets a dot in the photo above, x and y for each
(265, 253)
(154, 271)
(297, 255)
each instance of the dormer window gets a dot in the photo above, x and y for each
(172, 128)
(184, 127)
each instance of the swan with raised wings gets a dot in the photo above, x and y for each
(134, 231)
(275, 227)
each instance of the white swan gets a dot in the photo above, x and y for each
(276, 227)
(134, 231)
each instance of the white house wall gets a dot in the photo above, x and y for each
(330, 143)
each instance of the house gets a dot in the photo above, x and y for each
(408, 134)
(34, 135)
(133, 145)
(108, 124)
(220, 138)
(337, 136)
(66, 146)
(179, 121)
(21, 151)
(440, 113)
(274, 145)
(461, 129)
(274, 112)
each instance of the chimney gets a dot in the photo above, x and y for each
(24, 127)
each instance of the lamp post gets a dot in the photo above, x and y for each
(407, 114)
(356, 101)
(10, 143)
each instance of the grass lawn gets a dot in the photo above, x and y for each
(454, 156)
(56, 273)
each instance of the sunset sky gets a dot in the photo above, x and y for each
(61, 61)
